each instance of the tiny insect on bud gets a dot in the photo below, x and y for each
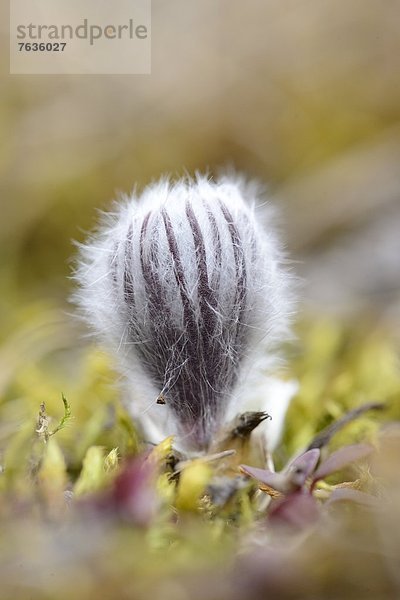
(189, 292)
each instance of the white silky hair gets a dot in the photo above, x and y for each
(193, 298)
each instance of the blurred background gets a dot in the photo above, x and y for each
(302, 94)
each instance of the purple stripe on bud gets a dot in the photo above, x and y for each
(201, 288)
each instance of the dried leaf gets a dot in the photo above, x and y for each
(52, 475)
(160, 453)
(352, 495)
(245, 423)
(92, 476)
(111, 460)
(192, 483)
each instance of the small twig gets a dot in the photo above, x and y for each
(44, 421)
(325, 436)
(65, 418)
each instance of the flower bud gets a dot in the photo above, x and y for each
(188, 291)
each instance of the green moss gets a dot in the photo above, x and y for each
(164, 534)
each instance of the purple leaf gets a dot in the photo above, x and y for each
(298, 510)
(276, 481)
(302, 467)
(292, 478)
(341, 458)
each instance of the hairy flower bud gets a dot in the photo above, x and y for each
(189, 292)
